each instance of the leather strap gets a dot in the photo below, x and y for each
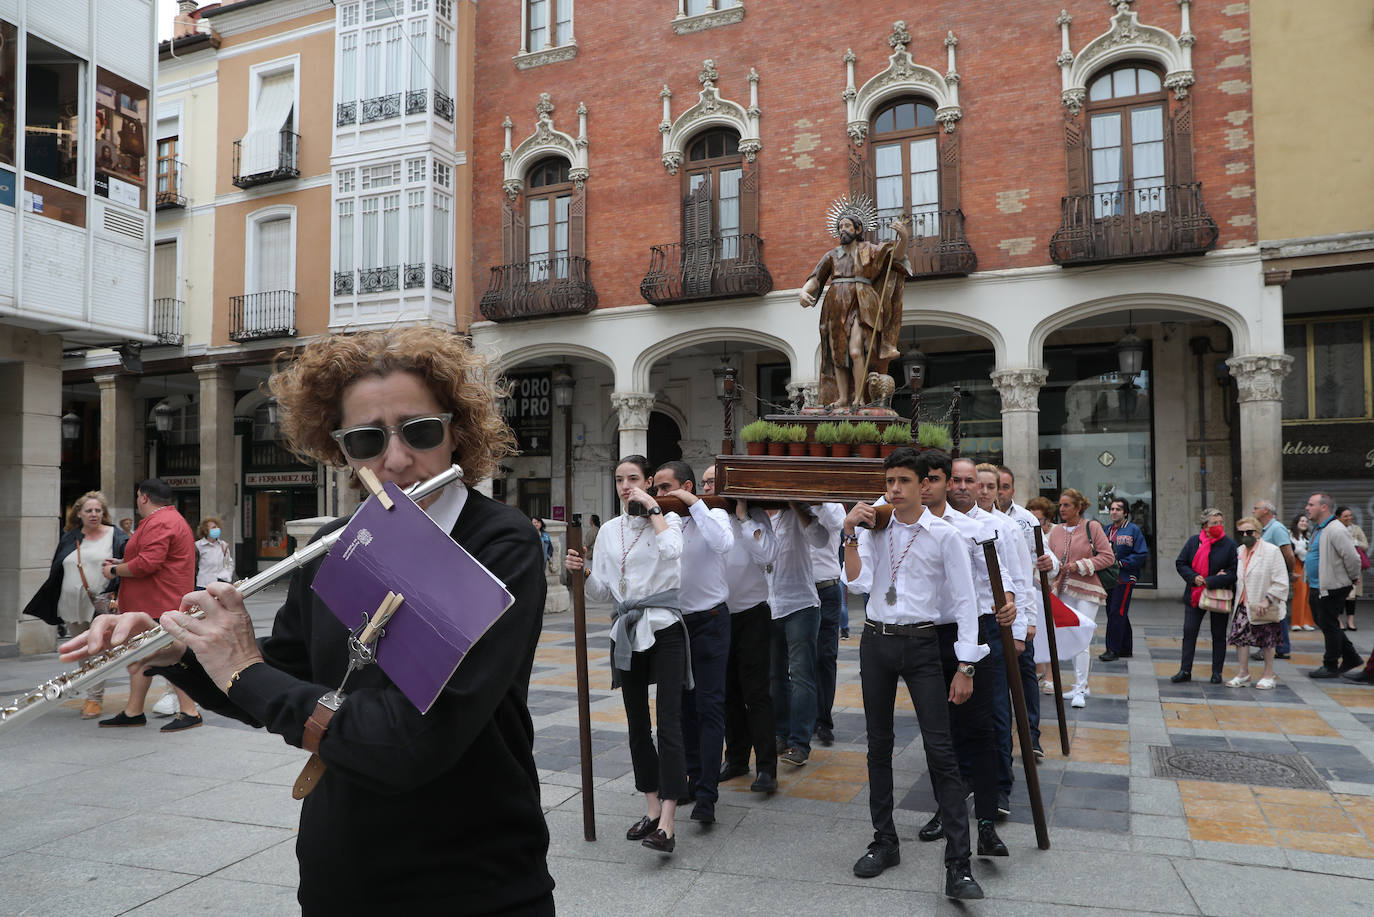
(309, 778)
(315, 728)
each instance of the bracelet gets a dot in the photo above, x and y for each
(850, 541)
(235, 677)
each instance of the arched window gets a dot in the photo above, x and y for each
(548, 201)
(906, 166)
(1126, 127)
(712, 182)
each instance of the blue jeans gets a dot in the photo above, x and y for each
(828, 652)
(703, 709)
(794, 676)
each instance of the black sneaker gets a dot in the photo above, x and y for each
(764, 783)
(932, 830)
(878, 858)
(1109, 656)
(794, 756)
(825, 736)
(989, 844)
(123, 719)
(182, 721)
(704, 812)
(959, 881)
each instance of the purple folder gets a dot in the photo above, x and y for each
(450, 598)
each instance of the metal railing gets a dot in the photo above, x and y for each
(442, 278)
(343, 283)
(417, 100)
(560, 285)
(380, 108)
(171, 175)
(938, 246)
(345, 113)
(413, 276)
(167, 320)
(287, 164)
(270, 454)
(262, 315)
(443, 106)
(182, 459)
(1139, 223)
(379, 279)
(720, 267)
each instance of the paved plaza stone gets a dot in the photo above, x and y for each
(1175, 799)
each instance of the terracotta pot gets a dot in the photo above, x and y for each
(758, 448)
(796, 448)
(887, 449)
(839, 450)
(868, 450)
(777, 448)
(816, 450)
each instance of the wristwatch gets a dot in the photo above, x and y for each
(967, 668)
(655, 510)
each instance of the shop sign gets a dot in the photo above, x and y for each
(182, 480)
(278, 478)
(1048, 478)
(1318, 451)
(529, 411)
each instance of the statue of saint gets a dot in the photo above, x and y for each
(861, 313)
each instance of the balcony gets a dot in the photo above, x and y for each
(443, 106)
(182, 459)
(170, 177)
(343, 283)
(417, 102)
(271, 455)
(1141, 223)
(379, 279)
(345, 113)
(938, 246)
(167, 320)
(262, 315)
(535, 289)
(381, 108)
(717, 269)
(286, 165)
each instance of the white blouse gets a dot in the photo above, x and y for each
(632, 561)
(213, 562)
(73, 603)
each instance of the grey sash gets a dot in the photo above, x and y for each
(627, 614)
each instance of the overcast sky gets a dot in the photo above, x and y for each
(166, 9)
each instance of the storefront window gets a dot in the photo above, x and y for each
(52, 134)
(980, 406)
(9, 39)
(1096, 435)
(121, 140)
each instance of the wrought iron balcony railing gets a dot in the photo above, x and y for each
(413, 276)
(167, 320)
(380, 108)
(442, 278)
(379, 279)
(417, 100)
(938, 246)
(1140, 223)
(171, 175)
(262, 315)
(717, 268)
(343, 283)
(443, 106)
(345, 113)
(255, 171)
(540, 288)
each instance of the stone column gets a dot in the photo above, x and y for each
(1020, 391)
(1259, 388)
(634, 409)
(118, 430)
(217, 478)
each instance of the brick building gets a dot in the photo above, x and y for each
(649, 191)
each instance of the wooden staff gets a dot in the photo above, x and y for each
(877, 323)
(1018, 697)
(1048, 624)
(584, 705)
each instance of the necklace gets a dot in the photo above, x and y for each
(625, 552)
(896, 564)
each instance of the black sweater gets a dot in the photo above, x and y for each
(1221, 565)
(434, 813)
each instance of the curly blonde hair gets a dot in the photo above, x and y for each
(309, 388)
(74, 512)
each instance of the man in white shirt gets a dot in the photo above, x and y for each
(748, 699)
(825, 562)
(913, 570)
(796, 613)
(706, 541)
(1033, 604)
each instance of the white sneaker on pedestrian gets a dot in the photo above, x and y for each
(168, 705)
(1078, 701)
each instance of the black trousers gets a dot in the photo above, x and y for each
(916, 660)
(1192, 623)
(661, 770)
(748, 700)
(974, 723)
(1326, 611)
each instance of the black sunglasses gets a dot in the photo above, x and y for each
(1246, 532)
(421, 434)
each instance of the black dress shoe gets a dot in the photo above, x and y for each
(641, 829)
(1360, 677)
(1109, 656)
(1277, 655)
(1178, 677)
(877, 859)
(660, 841)
(932, 830)
(825, 736)
(704, 812)
(1216, 679)
(764, 783)
(989, 844)
(123, 719)
(1323, 672)
(1349, 664)
(959, 881)
(731, 771)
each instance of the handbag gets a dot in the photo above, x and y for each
(1109, 577)
(1364, 557)
(1217, 601)
(1269, 615)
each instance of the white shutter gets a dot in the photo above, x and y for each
(274, 256)
(165, 270)
(262, 143)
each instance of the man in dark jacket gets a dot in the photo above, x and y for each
(1128, 542)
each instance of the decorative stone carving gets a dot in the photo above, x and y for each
(711, 109)
(709, 74)
(633, 409)
(1259, 377)
(903, 76)
(803, 394)
(1020, 388)
(533, 59)
(1126, 39)
(672, 161)
(685, 25)
(546, 140)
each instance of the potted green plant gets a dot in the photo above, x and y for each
(827, 433)
(777, 439)
(755, 436)
(844, 440)
(933, 436)
(895, 435)
(866, 435)
(796, 438)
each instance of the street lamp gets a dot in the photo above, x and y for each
(162, 417)
(563, 385)
(913, 364)
(71, 426)
(1130, 354)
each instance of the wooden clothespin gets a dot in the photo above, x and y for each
(383, 614)
(371, 483)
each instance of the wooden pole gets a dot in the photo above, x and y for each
(1018, 698)
(577, 582)
(1048, 624)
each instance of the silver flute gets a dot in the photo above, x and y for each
(99, 667)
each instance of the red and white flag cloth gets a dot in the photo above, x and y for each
(1073, 632)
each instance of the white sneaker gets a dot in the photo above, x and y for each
(168, 705)
(1078, 701)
